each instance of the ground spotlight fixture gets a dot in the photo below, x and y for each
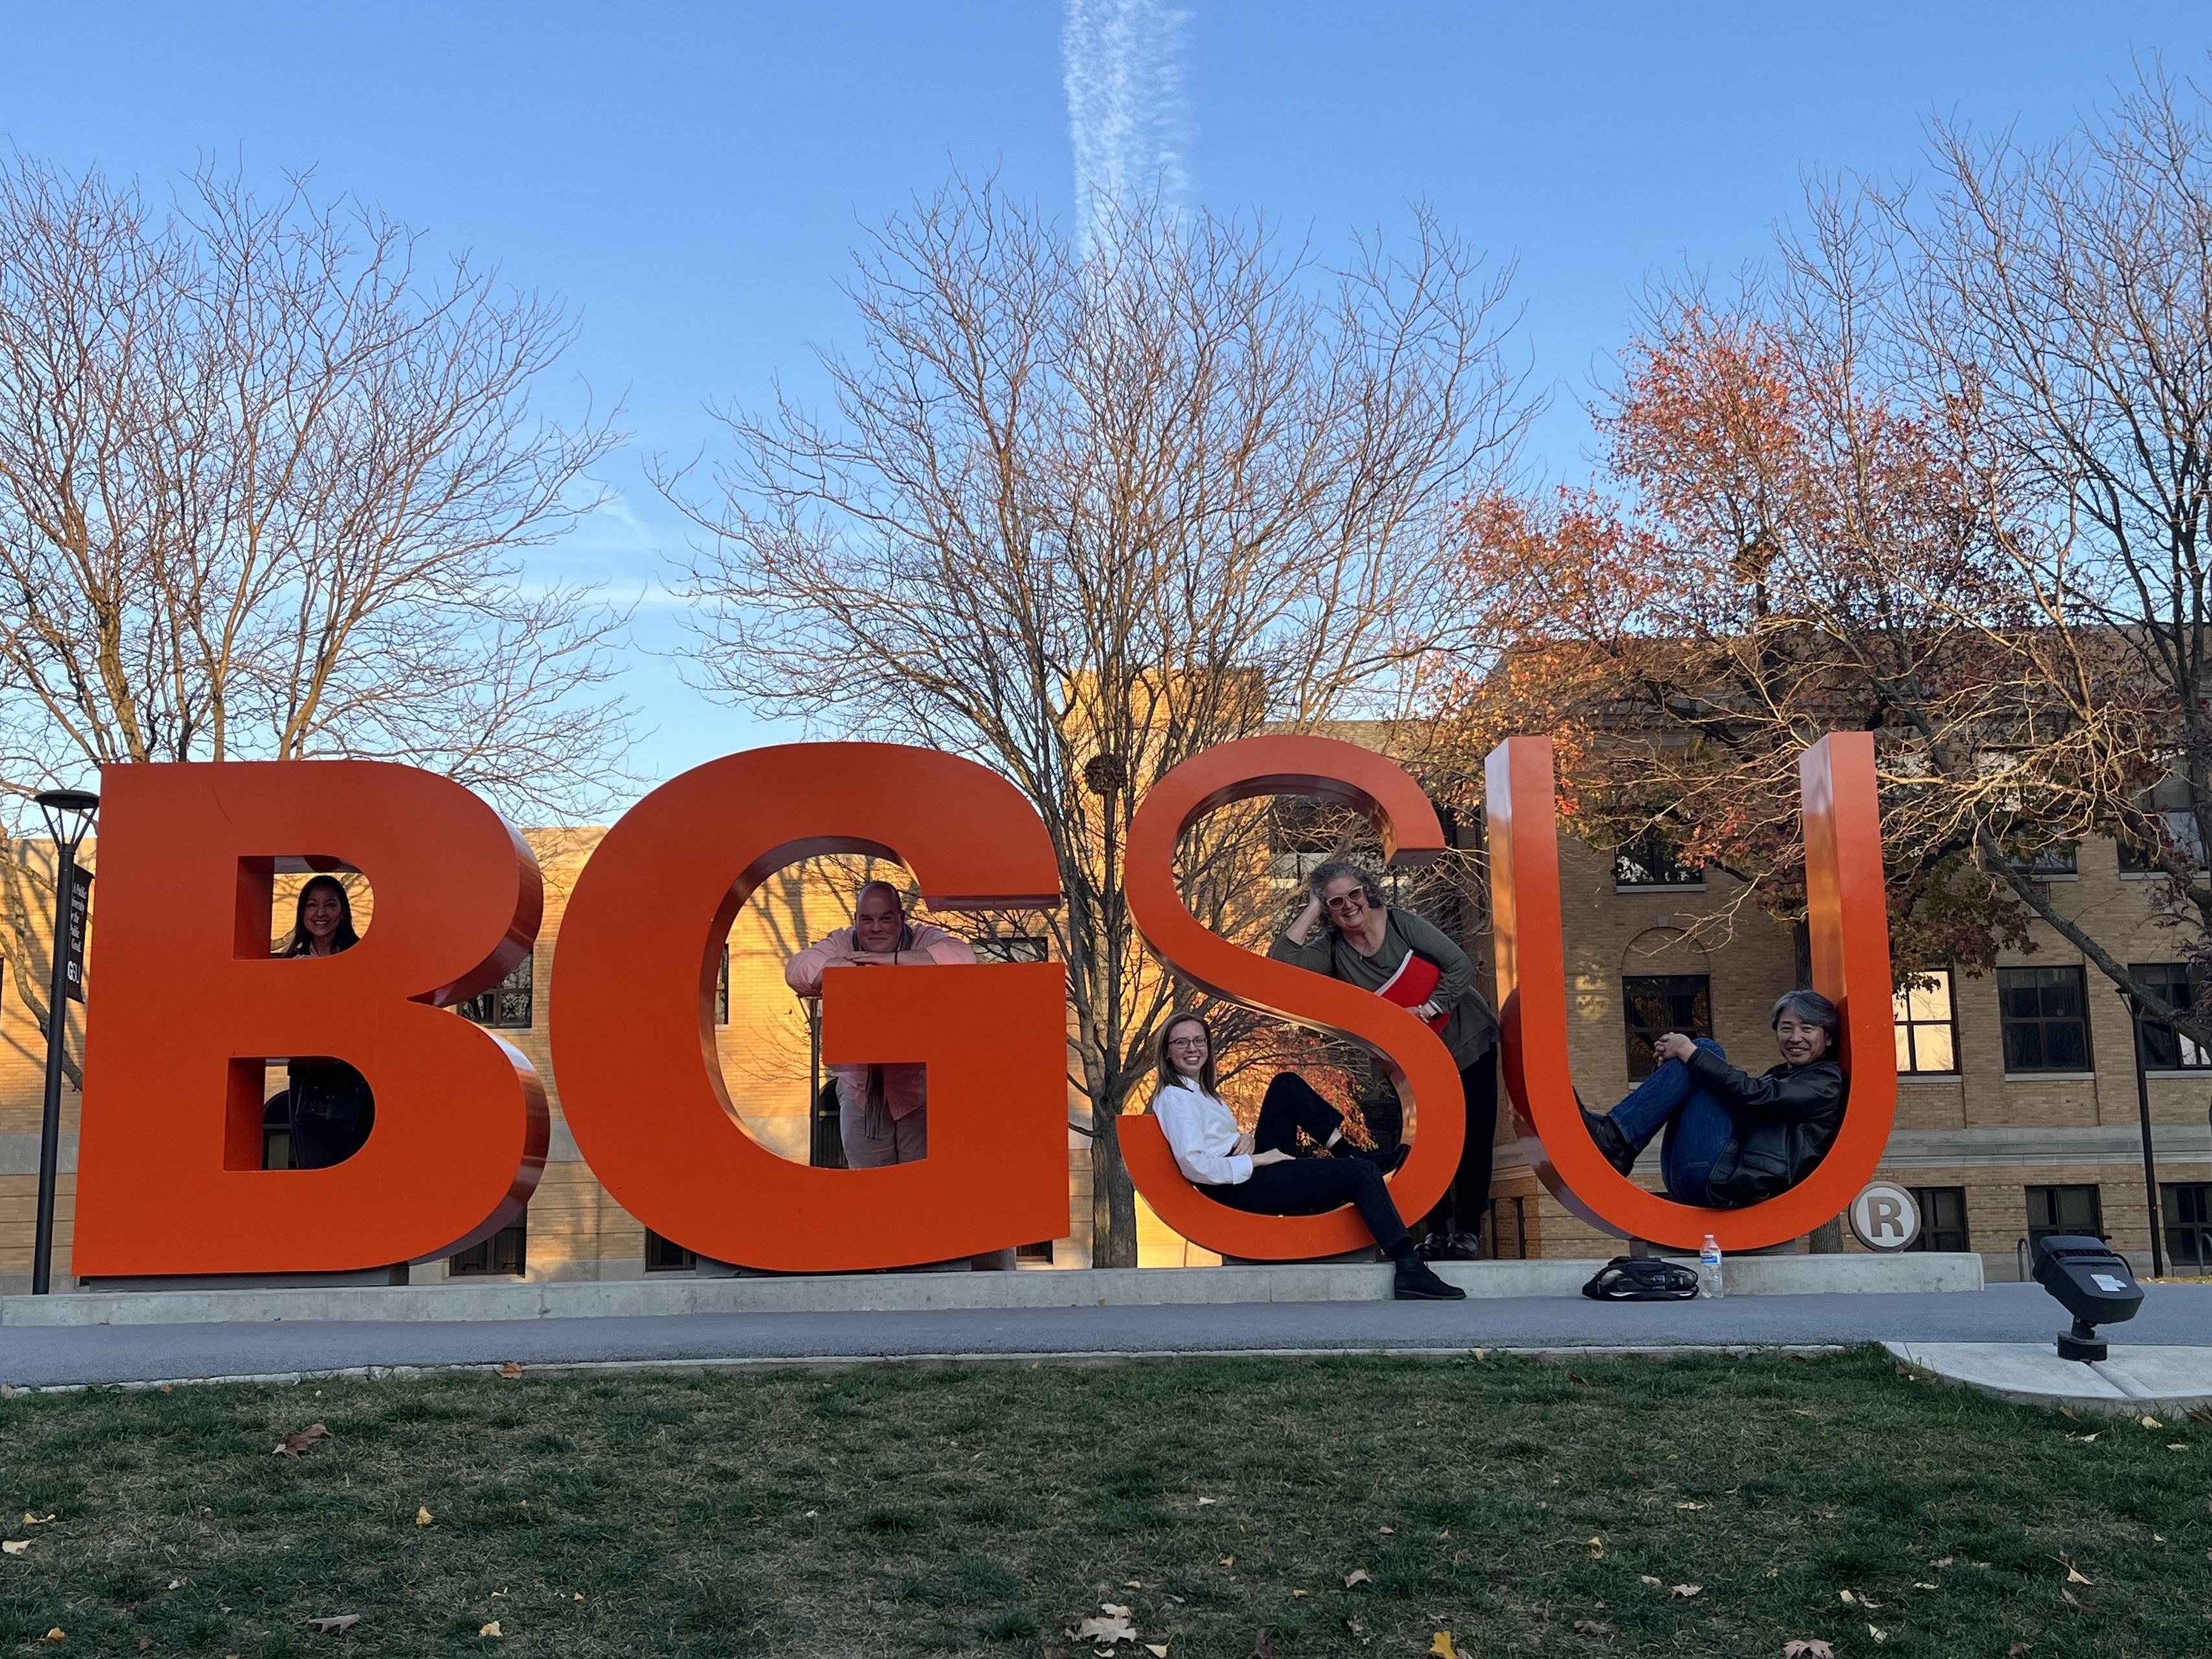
(2093, 1282)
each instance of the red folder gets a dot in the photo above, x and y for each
(1413, 984)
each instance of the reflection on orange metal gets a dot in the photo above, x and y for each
(1416, 1062)
(634, 1034)
(188, 1003)
(1849, 925)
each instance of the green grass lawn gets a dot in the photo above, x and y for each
(1524, 1507)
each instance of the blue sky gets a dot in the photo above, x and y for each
(689, 178)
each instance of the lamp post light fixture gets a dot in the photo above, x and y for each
(68, 814)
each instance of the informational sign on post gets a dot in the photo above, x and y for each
(80, 910)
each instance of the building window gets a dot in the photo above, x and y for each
(505, 1006)
(277, 1132)
(2171, 802)
(506, 1251)
(722, 989)
(1010, 947)
(2049, 863)
(2165, 1049)
(665, 1255)
(1654, 859)
(2188, 1210)
(2063, 1210)
(1655, 1004)
(1927, 1025)
(2045, 1012)
(1041, 1251)
(1942, 1218)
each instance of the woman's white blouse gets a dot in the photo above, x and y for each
(1202, 1134)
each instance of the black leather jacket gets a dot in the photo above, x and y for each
(1785, 1121)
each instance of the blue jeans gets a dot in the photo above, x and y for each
(1698, 1124)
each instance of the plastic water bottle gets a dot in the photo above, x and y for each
(1709, 1266)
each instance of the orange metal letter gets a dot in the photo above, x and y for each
(1849, 922)
(188, 1003)
(1416, 1060)
(634, 1031)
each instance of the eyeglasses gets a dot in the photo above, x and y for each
(1187, 1042)
(1352, 901)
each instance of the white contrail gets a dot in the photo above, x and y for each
(1124, 104)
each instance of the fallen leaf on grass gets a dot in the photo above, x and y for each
(2073, 1575)
(1356, 1628)
(1592, 1627)
(15, 1546)
(1387, 1532)
(1806, 1647)
(336, 1621)
(297, 1445)
(57, 1634)
(2072, 1601)
(2017, 1649)
(1649, 1579)
(31, 1520)
(1263, 1644)
(1226, 1561)
(1585, 1381)
(1596, 1548)
(1297, 1595)
(176, 1583)
(510, 1370)
(1440, 1646)
(2150, 1422)
(2067, 1412)
(1684, 1592)
(422, 1517)
(2200, 1413)
(145, 1642)
(1107, 1628)
(2176, 1445)
(1693, 1506)
(1158, 1649)
(1943, 1562)
(1203, 1502)
(1358, 1576)
(1920, 1584)
(1878, 1635)
(492, 1629)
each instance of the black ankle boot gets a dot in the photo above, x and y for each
(1416, 1281)
(1610, 1141)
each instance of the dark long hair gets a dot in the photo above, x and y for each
(1170, 1077)
(302, 942)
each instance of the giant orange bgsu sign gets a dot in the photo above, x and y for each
(191, 1007)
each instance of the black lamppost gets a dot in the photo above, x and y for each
(2151, 1158)
(68, 814)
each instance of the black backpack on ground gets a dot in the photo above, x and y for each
(1642, 1278)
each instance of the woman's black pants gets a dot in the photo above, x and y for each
(1310, 1186)
(1466, 1202)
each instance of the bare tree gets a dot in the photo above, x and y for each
(1942, 476)
(1082, 518)
(262, 482)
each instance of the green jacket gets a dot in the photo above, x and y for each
(1471, 1031)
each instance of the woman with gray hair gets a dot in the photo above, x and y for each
(1407, 960)
(1732, 1139)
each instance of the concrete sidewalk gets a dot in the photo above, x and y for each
(46, 1357)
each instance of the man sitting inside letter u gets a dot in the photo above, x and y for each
(882, 1111)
